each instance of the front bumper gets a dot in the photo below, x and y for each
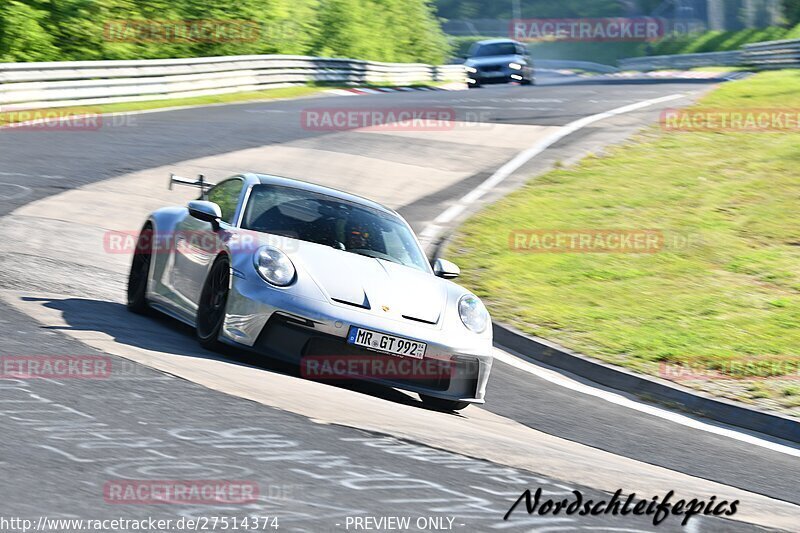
(458, 377)
(503, 75)
(280, 324)
(478, 79)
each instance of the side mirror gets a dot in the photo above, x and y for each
(205, 211)
(445, 269)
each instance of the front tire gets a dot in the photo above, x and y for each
(213, 300)
(441, 404)
(140, 272)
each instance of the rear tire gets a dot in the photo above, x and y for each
(140, 272)
(213, 300)
(441, 404)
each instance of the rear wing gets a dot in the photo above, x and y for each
(200, 182)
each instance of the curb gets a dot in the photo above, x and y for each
(647, 388)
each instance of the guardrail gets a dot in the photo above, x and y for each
(682, 61)
(60, 84)
(772, 54)
(766, 55)
(565, 64)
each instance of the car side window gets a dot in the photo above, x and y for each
(226, 196)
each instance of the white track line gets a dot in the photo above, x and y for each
(432, 230)
(556, 378)
(25, 191)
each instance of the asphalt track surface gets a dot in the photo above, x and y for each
(141, 421)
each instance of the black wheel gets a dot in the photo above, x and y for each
(442, 405)
(140, 271)
(211, 308)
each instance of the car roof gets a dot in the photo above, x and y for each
(497, 41)
(268, 179)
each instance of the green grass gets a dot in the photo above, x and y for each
(726, 286)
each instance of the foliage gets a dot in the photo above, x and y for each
(720, 41)
(63, 30)
(483, 9)
(791, 10)
(24, 37)
(611, 52)
(491, 9)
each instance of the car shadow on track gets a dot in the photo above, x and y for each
(161, 333)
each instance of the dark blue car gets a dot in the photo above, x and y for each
(498, 61)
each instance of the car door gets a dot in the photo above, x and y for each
(198, 243)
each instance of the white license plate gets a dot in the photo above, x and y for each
(494, 74)
(391, 344)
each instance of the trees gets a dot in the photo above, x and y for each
(24, 34)
(494, 9)
(791, 10)
(383, 30)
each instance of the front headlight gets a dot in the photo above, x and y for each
(515, 66)
(473, 314)
(471, 70)
(274, 266)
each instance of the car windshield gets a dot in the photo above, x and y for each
(495, 49)
(323, 219)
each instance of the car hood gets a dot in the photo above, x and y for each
(381, 287)
(492, 60)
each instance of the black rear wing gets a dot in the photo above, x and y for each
(200, 182)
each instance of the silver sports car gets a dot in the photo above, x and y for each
(312, 275)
